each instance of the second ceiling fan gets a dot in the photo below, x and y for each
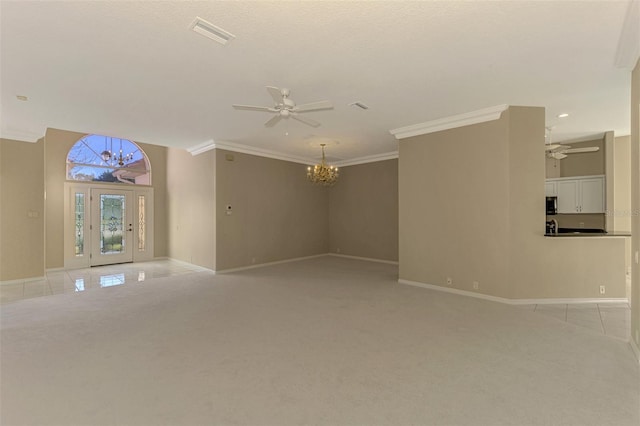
(285, 107)
(558, 151)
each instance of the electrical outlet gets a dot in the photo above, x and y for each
(449, 281)
(253, 260)
(338, 250)
(636, 256)
(602, 289)
(476, 285)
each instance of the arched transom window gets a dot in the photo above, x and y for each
(97, 158)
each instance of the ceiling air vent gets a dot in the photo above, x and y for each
(209, 30)
(359, 105)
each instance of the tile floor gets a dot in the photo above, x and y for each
(78, 280)
(611, 319)
(326, 340)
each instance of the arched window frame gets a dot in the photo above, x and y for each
(99, 158)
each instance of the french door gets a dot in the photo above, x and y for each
(107, 224)
(111, 226)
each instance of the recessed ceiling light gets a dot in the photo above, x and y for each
(563, 115)
(209, 30)
(22, 98)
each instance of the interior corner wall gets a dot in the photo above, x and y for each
(21, 209)
(471, 208)
(191, 207)
(622, 188)
(276, 214)
(635, 203)
(56, 147)
(363, 211)
(543, 267)
(454, 207)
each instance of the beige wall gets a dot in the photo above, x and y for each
(454, 192)
(589, 221)
(363, 211)
(542, 267)
(21, 209)
(622, 189)
(471, 208)
(56, 147)
(277, 214)
(191, 207)
(586, 163)
(635, 202)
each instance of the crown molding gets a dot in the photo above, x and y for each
(202, 147)
(628, 51)
(451, 122)
(367, 159)
(20, 136)
(246, 149)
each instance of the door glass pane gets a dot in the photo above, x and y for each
(141, 223)
(79, 223)
(112, 218)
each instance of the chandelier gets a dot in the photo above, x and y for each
(112, 159)
(321, 173)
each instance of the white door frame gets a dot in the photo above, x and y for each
(142, 221)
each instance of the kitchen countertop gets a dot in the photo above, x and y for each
(588, 234)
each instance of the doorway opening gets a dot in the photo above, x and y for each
(108, 203)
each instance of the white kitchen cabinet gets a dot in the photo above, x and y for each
(550, 188)
(568, 199)
(592, 198)
(580, 195)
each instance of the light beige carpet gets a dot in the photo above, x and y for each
(321, 341)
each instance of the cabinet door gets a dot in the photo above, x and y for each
(592, 195)
(568, 196)
(550, 189)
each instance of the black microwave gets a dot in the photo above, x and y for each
(552, 205)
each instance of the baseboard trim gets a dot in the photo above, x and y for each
(548, 301)
(21, 280)
(46, 271)
(635, 349)
(368, 259)
(184, 262)
(454, 291)
(277, 262)
(568, 301)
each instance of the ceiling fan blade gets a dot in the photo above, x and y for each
(579, 150)
(275, 93)
(313, 106)
(273, 120)
(305, 120)
(253, 108)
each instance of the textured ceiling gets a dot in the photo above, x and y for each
(135, 70)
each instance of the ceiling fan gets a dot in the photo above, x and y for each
(558, 151)
(285, 107)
